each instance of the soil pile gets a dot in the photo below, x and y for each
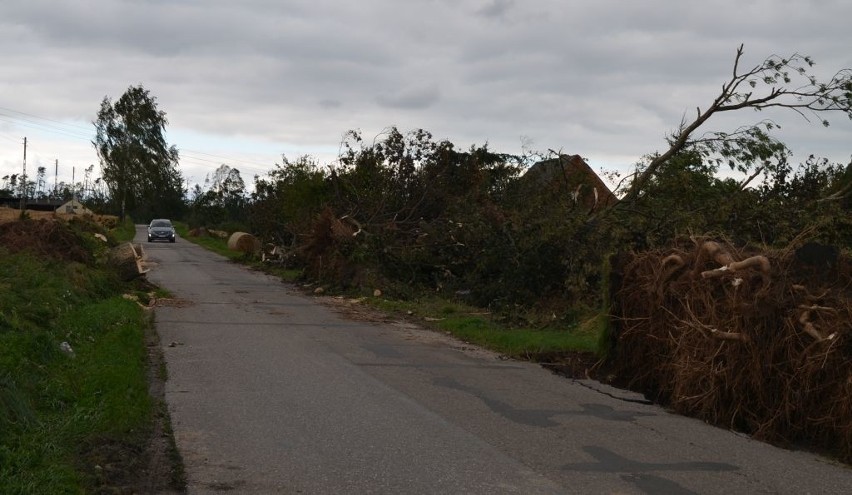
(760, 342)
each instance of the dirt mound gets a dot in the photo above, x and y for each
(45, 237)
(760, 342)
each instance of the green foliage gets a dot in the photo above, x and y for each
(223, 205)
(398, 206)
(58, 408)
(686, 197)
(287, 200)
(138, 166)
(125, 231)
(411, 215)
(793, 202)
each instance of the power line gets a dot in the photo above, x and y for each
(231, 162)
(42, 127)
(32, 121)
(229, 159)
(64, 124)
(8, 137)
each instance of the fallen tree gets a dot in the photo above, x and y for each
(775, 83)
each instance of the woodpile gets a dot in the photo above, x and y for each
(759, 342)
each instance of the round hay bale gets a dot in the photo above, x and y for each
(244, 243)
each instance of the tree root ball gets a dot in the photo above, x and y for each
(757, 340)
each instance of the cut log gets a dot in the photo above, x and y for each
(127, 261)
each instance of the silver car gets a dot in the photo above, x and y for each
(161, 229)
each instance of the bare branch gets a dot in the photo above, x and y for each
(770, 86)
(746, 182)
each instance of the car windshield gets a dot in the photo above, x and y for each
(161, 223)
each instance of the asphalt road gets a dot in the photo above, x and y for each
(272, 392)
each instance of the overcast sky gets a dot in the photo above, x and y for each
(244, 82)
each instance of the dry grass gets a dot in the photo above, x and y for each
(11, 215)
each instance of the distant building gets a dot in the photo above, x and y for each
(74, 207)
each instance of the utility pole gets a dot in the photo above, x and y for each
(24, 180)
(56, 178)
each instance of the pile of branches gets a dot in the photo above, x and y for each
(759, 342)
(44, 237)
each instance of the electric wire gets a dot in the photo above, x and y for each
(14, 140)
(28, 120)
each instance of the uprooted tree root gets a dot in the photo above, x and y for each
(757, 342)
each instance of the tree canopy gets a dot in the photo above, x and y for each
(138, 166)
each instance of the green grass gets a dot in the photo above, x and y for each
(125, 231)
(476, 326)
(61, 413)
(215, 244)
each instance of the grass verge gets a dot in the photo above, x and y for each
(76, 415)
(474, 325)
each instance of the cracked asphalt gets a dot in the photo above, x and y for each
(271, 392)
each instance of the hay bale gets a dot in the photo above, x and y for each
(244, 243)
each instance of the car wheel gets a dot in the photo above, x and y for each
(172, 239)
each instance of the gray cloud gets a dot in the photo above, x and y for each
(606, 79)
(411, 98)
(496, 8)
